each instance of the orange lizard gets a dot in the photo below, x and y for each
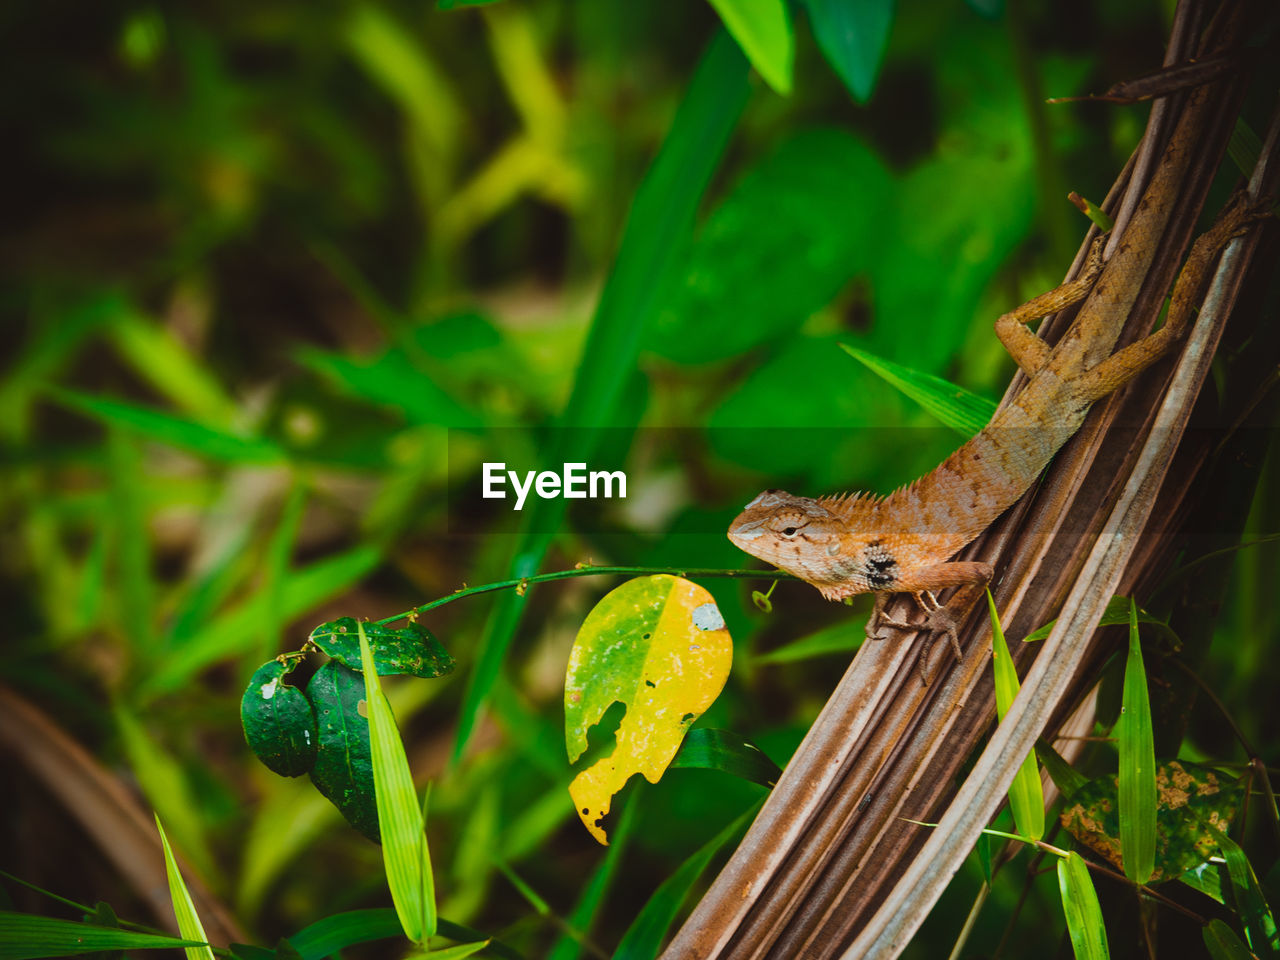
(859, 543)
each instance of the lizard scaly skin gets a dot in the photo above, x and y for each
(902, 543)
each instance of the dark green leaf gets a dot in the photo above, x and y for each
(26, 937)
(1080, 905)
(1064, 776)
(410, 649)
(248, 951)
(1222, 942)
(393, 380)
(343, 770)
(729, 752)
(983, 847)
(820, 192)
(1255, 913)
(278, 721)
(1137, 781)
(1192, 803)
(852, 35)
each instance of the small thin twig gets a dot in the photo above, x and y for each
(586, 570)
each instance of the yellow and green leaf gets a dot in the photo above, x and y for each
(658, 645)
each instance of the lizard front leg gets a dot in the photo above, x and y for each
(970, 576)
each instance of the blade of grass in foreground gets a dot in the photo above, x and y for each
(184, 910)
(649, 259)
(1080, 904)
(1137, 787)
(1026, 798)
(400, 819)
(27, 937)
(1222, 943)
(645, 935)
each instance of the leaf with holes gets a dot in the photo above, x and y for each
(411, 649)
(279, 724)
(1193, 803)
(658, 645)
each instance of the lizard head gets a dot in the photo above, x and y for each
(797, 534)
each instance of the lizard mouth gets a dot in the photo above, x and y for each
(746, 532)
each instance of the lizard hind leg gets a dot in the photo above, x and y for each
(1027, 349)
(1118, 369)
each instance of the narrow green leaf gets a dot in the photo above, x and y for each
(983, 848)
(709, 749)
(159, 357)
(1116, 613)
(650, 258)
(531, 896)
(1251, 904)
(27, 937)
(279, 557)
(132, 541)
(1204, 878)
(763, 31)
(336, 933)
(1222, 943)
(184, 909)
(400, 819)
(644, 937)
(1026, 798)
(579, 923)
(169, 429)
(962, 411)
(1064, 776)
(853, 37)
(1080, 905)
(1137, 765)
(454, 953)
(236, 631)
(842, 638)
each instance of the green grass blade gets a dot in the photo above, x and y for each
(279, 555)
(1251, 905)
(404, 843)
(1026, 798)
(650, 259)
(454, 953)
(579, 923)
(1116, 613)
(334, 934)
(763, 30)
(172, 430)
(236, 631)
(843, 638)
(1080, 905)
(1222, 943)
(962, 411)
(160, 358)
(644, 937)
(167, 788)
(1137, 792)
(184, 909)
(27, 937)
(132, 542)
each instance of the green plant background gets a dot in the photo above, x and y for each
(279, 278)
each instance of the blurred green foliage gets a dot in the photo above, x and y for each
(278, 279)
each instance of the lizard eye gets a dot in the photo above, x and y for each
(789, 532)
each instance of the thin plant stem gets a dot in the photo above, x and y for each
(587, 570)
